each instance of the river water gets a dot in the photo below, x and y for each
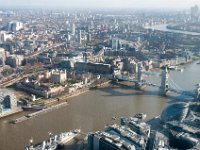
(91, 111)
(163, 27)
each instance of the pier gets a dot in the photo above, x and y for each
(35, 114)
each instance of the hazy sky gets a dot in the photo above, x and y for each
(172, 4)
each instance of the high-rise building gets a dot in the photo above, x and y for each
(15, 26)
(2, 56)
(194, 12)
(89, 37)
(73, 29)
(68, 40)
(4, 36)
(15, 60)
(8, 102)
(115, 43)
(80, 37)
(68, 36)
(117, 138)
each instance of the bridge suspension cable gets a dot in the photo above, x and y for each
(174, 85)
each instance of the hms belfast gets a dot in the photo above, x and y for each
(54, 142)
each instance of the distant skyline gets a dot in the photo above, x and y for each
(138, 4)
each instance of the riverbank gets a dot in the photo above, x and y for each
(101, 85)
(78, 92)
(10, 113)
(56, 103)
(125, 83)
(40, 112)
(65, 97)
(183, 27)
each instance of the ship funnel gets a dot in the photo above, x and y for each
(43, 145)
(55, 138)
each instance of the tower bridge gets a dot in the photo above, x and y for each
(166, 85)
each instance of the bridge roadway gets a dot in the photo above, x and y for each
(186, 93)
(143, 82)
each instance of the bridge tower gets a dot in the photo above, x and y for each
(164, 88)
(139, 73)
(139, 85)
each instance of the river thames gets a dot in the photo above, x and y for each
(91, 111)
(163, 27)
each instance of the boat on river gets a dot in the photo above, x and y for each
(54, 142)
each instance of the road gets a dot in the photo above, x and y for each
(19, 77)
(44, 50)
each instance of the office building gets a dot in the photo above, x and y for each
(115, 43)
(4, 36)
(2, 56)
(93, 67)
(15, 26)
(8, 102)
(116, 138)
(80, 37)
(73, 29)
(15, 60)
